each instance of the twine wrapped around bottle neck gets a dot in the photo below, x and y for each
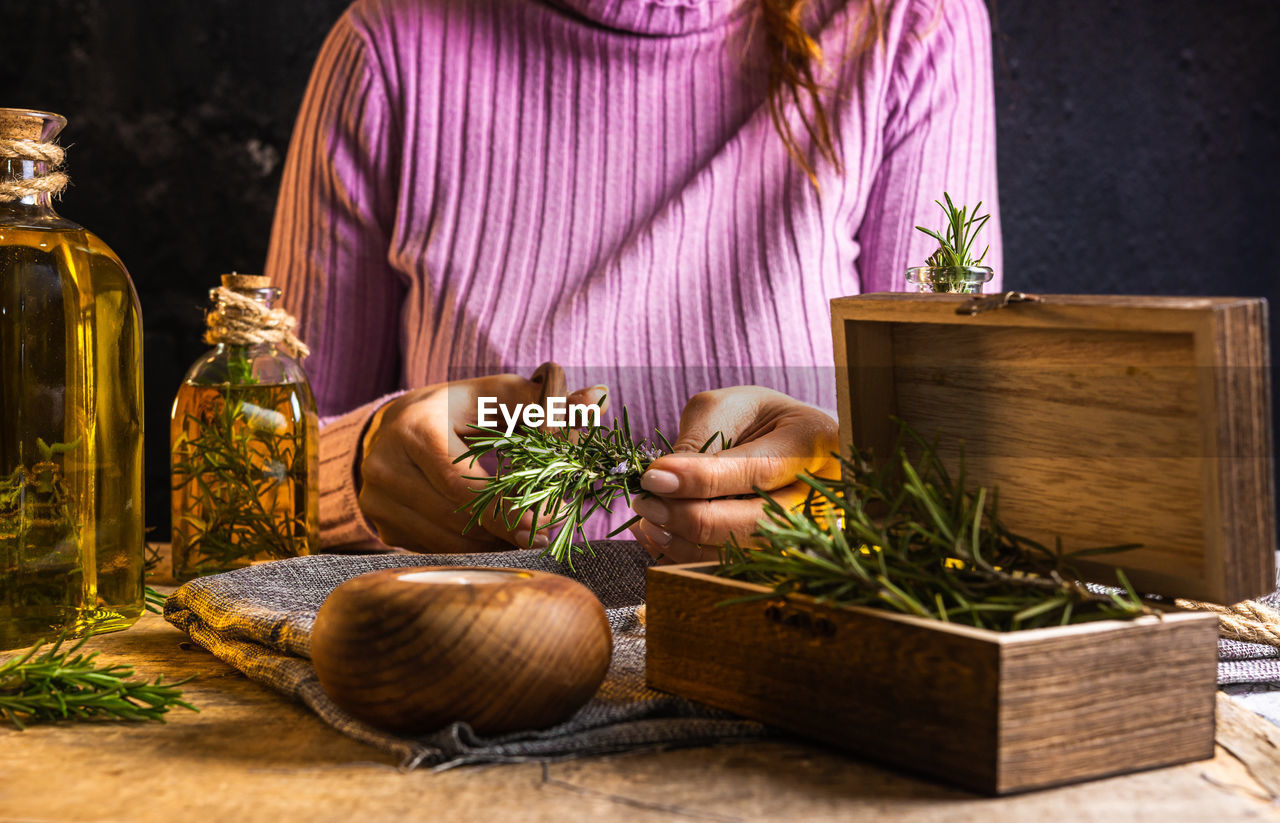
(240, 320)
(51, 181)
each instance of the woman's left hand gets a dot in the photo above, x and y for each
(699, 499)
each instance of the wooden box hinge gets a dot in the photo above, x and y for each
(981, 303)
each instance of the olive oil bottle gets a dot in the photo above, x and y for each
(71, 517)
(243, 442)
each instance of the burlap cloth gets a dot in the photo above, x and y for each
(259, 620)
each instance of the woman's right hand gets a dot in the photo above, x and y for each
(411, 489)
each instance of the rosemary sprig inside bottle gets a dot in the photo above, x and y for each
(64, 685)
(569, 474)
(238, 460)
(910, 538)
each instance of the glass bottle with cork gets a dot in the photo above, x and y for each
(243, 439)
(71, 500)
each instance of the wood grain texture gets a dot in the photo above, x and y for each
(1239, 483)
(843, 676)
(1080, 705)
(252, 755)
(994, 712)
(1101, 419)
(503, 656)
(1255, 744)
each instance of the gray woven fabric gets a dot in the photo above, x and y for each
(1249, 662)
(259, 619)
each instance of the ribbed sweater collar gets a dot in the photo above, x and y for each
(655, 17)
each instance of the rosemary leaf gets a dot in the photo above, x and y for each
(65, 685)
(565, 474)
(908, 534)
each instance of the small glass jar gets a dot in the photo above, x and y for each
(243, 452)
(949, 279)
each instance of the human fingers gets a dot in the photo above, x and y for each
(666, 549)
(469, 477)
(799, 439)
(410, 462)
(704, 522)
(712, 418)
(462, 480)
(407, 511)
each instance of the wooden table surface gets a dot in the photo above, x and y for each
(252, 755)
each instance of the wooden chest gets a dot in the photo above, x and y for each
(1102, 420)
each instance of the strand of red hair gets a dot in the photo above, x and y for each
(797, 66)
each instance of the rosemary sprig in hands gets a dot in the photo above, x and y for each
(63, 685)
(562, 477)
(910, 538)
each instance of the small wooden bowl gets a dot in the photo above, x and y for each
(412, 650)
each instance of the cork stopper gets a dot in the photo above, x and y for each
(245, 282)
(30, 124)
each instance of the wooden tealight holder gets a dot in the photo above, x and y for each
(1102, 420)
(411, 650)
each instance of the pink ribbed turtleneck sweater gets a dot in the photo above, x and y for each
(480, 186)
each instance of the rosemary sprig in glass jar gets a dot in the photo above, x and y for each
(910, 538)
(952, 268)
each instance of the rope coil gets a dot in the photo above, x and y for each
(52, 182)
(1248, 621)
(240, 320)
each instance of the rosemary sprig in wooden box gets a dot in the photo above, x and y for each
(911, 538)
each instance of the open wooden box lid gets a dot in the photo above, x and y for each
(1102, 420)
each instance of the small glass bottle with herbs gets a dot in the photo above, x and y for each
(243, 439)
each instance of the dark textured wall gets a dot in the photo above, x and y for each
(1138, 145)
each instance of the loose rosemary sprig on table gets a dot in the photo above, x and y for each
(154, 600)
(63, 685)
(567, 473)
(910, 538)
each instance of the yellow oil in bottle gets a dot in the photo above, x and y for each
(244, 473)
(71, 519)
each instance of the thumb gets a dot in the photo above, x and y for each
(711, 420)
(597, 395)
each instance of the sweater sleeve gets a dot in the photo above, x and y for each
(329, 255)
(939, 136)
